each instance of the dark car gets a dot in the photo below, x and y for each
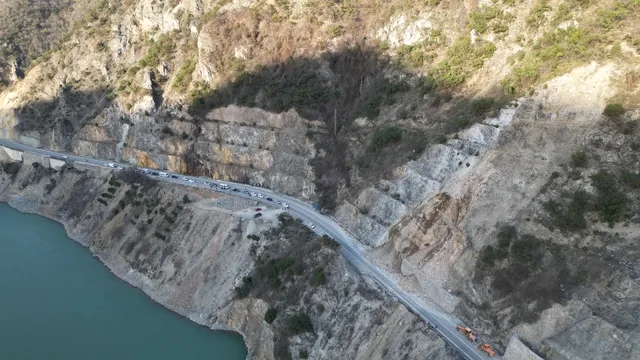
(173, 176)
(236, 190)
(154, 173)
(257, 215)
(269, 199)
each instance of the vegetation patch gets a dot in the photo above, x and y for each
(291, 268)
(385, 137)
(489, 18)
(579, 159)
(569, 213)
(462, 59)
(614, 110)
(611, 202)
(183, 76)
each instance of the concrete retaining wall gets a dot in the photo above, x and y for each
(30, 158)
(516, 350)
(15, 155)
(57, 164)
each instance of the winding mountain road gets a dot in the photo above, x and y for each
(352, 249)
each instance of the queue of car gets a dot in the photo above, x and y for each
(221, 186)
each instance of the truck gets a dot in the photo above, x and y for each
(466, 331)
(487, 349)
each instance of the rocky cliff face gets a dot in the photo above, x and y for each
(444, 135)
(189, 250)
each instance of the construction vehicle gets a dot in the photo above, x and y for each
(487, 348)
(467, 332)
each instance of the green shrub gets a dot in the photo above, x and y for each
(101, 46)
(253, 237)
(159, 50)
(537, 14)
(303, 354)
(300, 323)
(611, 202)
(335, 30)
(525, 249)
(631, 179)
(481, 107)
(490, 255)
(462, 59)
(570, 217)
(185, 199)
(579, 159)
(635, 146)
(506, 235)
(614, 110)
(460, 123)
(556, 52)
(480, 19)
(183, 76)
(270, 315)
(318, 277)
(609, 17)
(385, 137)
(427, 85)
(275, 282)
(101, 201)
(159, 235)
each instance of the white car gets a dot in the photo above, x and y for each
(183, 178)
(278, 202)
(110, 164)
(285, 205)
(311, 225)
(163, 174)
(260, 196)
(253, 194)
(65, 157)
(120, 167)
(190, 180)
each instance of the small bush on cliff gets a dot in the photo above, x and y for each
(571, 216)
(611, 202)
(270, 315)
(579, 159)
(318, 277)
(300, 323)
(385, 137)
(614, 110)
(631, 179)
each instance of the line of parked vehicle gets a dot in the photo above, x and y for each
(213, 185)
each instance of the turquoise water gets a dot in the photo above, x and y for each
(59, 302)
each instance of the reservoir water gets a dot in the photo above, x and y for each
(59, 302)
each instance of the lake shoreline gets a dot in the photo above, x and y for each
(23, 205)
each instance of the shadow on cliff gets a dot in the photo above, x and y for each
(63, 116)
(335, 88)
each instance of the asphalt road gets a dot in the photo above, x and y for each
(351, 248)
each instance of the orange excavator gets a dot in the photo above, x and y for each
(487, 348)
(467, 332)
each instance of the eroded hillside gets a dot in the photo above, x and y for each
(464, 143)
(205, 256)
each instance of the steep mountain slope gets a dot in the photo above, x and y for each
(441, 133)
